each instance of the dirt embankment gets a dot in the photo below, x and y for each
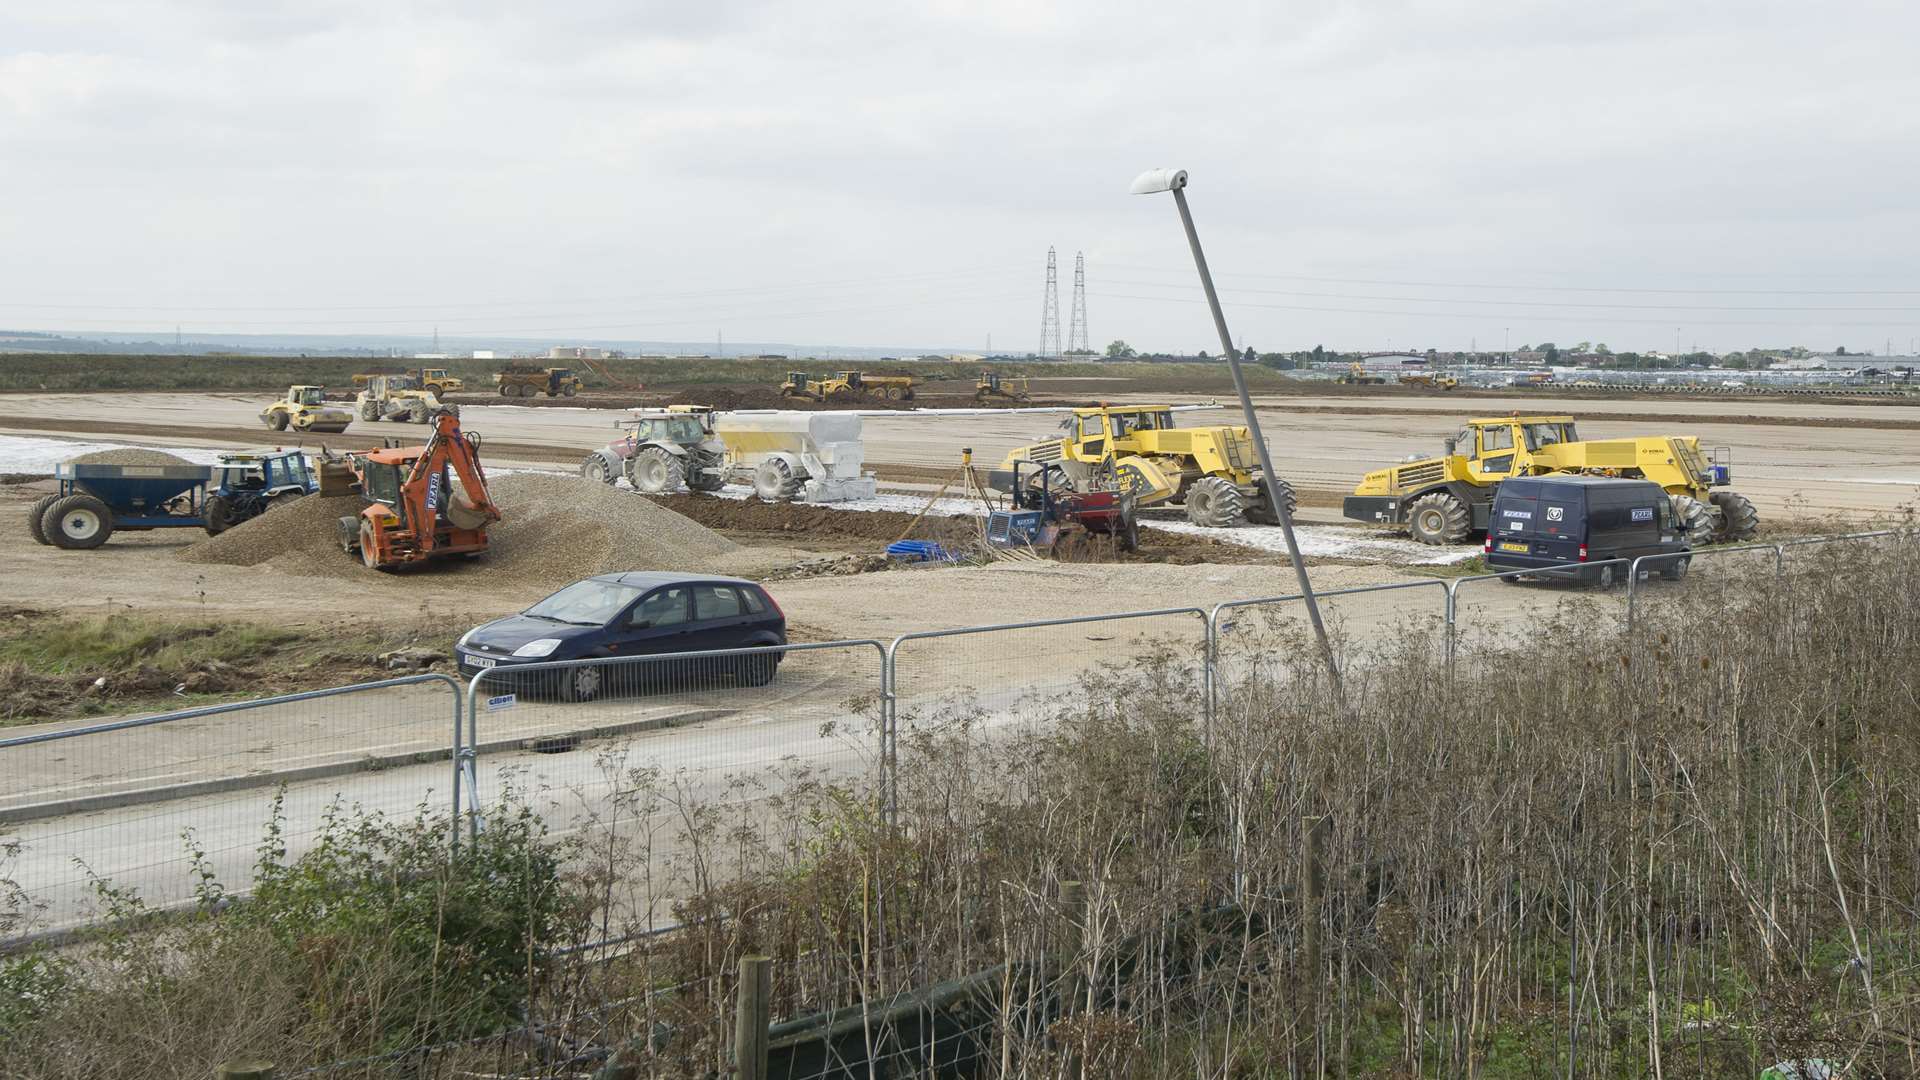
(875, 529)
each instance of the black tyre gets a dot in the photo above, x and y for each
(1676, 569)
(580, 683)
(36, 514)
(1439, 518)
(279, 420)
(417, 412)
(349, 531)
(503, 389)
(1603, 577)
(1213, 502)
(906, 394)
(654, 471)
(757, 670)
(1738, 519)
(773, 481)
(78, 522)
(217, 515)
(570, 390)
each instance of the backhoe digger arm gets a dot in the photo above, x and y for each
(450, 447)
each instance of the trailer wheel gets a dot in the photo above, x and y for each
(78, 522)
(37, 515)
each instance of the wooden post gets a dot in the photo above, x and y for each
(243, 1070)
(1073, 988)
(750, 1018)
(1313, 887)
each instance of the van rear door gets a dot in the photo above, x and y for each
(1545, 520)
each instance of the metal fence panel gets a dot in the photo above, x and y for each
(647, 758)
(151, 804)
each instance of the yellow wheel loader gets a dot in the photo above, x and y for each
(1212, 471)
(305, 408)
(1446, 499)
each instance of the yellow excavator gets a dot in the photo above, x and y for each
(1446, 499)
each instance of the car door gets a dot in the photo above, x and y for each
(659, 622)
(721, 619)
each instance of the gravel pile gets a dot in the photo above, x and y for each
(128, 456)
(553, 529)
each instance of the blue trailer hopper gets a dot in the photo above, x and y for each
(94, 500)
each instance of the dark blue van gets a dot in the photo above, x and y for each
(1553, 524)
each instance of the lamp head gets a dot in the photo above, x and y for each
(1154, 181)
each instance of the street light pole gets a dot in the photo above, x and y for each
(1175, 180)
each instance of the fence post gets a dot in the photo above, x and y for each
(1779, 560)
(1210, 661)
(243, 1070)
(889, 736)
(1633, 588)
(1452, 627)
(750, 1017)
(1313, 885)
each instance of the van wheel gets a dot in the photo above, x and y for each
(1676, 569)
(1439, 518)
(758, 670)
(1604, 578)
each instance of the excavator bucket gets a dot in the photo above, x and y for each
(336, 478)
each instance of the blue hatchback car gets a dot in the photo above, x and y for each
(629, 614)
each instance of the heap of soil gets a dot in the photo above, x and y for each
(128, 456)
(553, 529)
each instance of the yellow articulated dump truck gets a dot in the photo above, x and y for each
(1446, 499)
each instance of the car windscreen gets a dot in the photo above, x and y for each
(586, 603)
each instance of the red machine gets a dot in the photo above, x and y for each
(423, 502)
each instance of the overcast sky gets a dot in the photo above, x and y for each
(893, 173)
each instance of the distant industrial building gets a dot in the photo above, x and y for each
(576, 352)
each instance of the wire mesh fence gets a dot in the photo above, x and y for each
(158, 809)
(618, 751)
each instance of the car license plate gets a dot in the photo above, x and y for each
(480, 661)
(1510, 546)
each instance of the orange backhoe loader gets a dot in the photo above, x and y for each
(423, 502)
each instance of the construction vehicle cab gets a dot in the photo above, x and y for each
(1445, 500)
(247, 485)
(1039, 516)
(423, 502)
(1211, 471)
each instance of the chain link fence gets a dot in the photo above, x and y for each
(620, 750)
(154, 808)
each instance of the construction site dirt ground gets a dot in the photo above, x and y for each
(1815, 460)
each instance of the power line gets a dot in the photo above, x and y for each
(1526, 303)
(1512, 317)
(1546, 288)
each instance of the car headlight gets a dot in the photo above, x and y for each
(542, 647)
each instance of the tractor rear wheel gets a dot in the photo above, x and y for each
(1738, 519)
(77, 522)
(653, 471)
(773, 481)
(36, 515)
(1213, 502)
(1439, 518)
(1696, 521)
(218, 515)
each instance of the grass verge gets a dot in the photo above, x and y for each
(55, 667)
